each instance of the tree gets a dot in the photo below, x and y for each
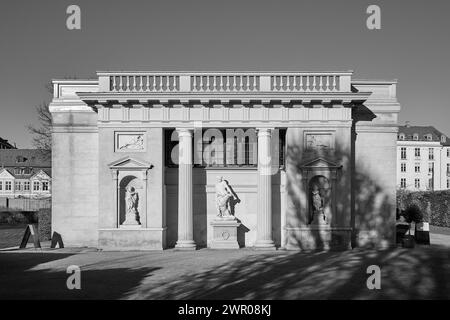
(42, 134)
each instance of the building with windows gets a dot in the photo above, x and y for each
(142, 160)
(24, 173)
(4, 144)
(423, 158)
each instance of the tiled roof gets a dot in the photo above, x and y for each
(5, 143)
(25, 158)
(422, 132)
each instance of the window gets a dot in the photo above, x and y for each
(448, 183)
(430, 183)
(21, 159)
(403, 167)
(36, 186)
(417, 167)
(448, 152)
(417, 152)
(8, 186)
(415, 136)
(45, 186)
(403, 183)
(448, 168)
(403, 153)
(26, 186)
(1, 185)
(18, 186)
(223, 147)
(401, 136)
(430, 154)
(417, 183)
(431, 167)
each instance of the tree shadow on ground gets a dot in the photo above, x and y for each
(26, 276)
(406, 274)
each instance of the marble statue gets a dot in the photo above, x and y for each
(223, 197)
(318, 216)
(131, 199)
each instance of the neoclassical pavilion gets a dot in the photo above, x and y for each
(136, 156)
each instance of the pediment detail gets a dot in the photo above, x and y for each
(5, 174)
(321, 163)
(130, 163)
(41, 175)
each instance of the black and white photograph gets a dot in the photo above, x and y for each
(223, 155)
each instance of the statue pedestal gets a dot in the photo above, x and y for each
(224, 234)
(130, 222)
(319, 219)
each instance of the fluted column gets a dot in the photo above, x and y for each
(185, 186)
(264, 197)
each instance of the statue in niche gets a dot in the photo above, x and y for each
(318, 216)
(224, 196)
(131, 199)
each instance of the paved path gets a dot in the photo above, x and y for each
(419, 273)
(422, 272)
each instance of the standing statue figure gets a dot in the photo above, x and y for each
(131, 199)
(318, 215)
(223, 197)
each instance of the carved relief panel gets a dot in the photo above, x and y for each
(129, 141)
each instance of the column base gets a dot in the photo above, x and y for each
(188, 245)
(264, 245)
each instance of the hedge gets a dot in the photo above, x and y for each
(45, 224)
(18, 217)
(434, 205)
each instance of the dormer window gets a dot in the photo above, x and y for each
(21, 159)
(428, 137)
(415, 137)
(443, 139)
(401, 136)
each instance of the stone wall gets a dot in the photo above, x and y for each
(75, 182)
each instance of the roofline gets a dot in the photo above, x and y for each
(375, 81)
(256, 72)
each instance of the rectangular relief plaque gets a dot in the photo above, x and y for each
(130, 142)
(319, 141)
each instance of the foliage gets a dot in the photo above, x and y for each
(428, 206)
(44, 224)
(42, 135)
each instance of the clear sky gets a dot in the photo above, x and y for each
(412, 46)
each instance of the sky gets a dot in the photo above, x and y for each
(200, 35)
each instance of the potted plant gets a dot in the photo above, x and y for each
(411, 214)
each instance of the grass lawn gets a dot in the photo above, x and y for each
(11, 235)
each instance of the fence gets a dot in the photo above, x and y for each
(25, 204)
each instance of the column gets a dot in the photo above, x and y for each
(185, 187)
(264, 197)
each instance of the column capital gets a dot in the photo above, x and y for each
(185, 132)
(264, 131)
(115, 174)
